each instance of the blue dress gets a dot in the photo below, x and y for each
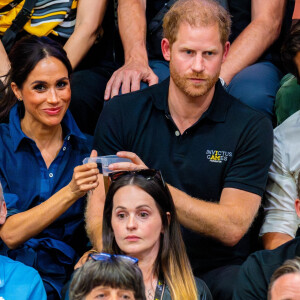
(27, 182)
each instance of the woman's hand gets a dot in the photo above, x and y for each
(85, 178)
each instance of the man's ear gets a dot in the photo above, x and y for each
(297, 207)
(226, 50)
(3, 213)
(166, 49)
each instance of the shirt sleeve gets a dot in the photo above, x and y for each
(252, 158)
(37, 290)
(281, 193)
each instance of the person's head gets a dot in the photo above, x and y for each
(109, 278)
(196, 44)
(285, 281)
(290, 51)
(3, 210)
(39, 78)
(140, 220)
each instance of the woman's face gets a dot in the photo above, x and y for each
(136, 222)
(46, 93)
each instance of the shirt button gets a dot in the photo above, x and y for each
(177, 133)
(50, 175)
(68, 138)
(64, 148)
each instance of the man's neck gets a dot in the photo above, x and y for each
(186, 110)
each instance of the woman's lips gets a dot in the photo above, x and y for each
(52, 111)
(132, 238)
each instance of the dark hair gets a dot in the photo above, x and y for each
(289, 266)
(24, 56)
(114, 273)
(289, 50)
(172, 261)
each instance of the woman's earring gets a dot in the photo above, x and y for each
(20, 99)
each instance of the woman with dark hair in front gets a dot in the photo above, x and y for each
(110, 277)
(40, 164)
(140, 220)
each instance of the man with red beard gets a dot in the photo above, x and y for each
(214, 152)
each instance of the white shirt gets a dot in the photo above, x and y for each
(281, 191)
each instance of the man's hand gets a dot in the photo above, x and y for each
(136, 163)
(129, 78)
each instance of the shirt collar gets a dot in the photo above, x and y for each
(68, 123)
(217, 110)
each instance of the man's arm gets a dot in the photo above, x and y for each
(226, 221)
(281, 221)
(256, 38)
(4, 62)
(132, 27)
(89, 17)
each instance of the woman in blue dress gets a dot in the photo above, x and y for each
(41, 169)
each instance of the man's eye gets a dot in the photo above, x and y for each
(188, 51)
(209, 53)
(40, 87)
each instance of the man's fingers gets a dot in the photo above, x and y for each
(131, 155)
(94, 153)
(126, 85)
(108, 87)
(152, 78)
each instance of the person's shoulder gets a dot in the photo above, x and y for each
(203, 291)
(291, 124)
(17, 268)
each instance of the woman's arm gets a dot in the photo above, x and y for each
(20, 227)
(89, 17)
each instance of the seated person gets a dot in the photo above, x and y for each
(140, 221)
(281, 221)
(108, 276)
(288, 96)
(285, 281)
(41, 169)
(18, 281)
(189, 126)
(256, 272)
(75, 24)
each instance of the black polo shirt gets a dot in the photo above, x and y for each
(229, 146)
(255, 274)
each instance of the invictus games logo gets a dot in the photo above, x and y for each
(217, 156)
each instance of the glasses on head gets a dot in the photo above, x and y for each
(148, 174)
(107, 257)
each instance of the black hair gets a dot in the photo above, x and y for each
(24, 56)
(114, 273)
(289, 50)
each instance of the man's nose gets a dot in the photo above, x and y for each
(198, 63)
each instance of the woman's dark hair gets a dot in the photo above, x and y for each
(172, 261)
(289, 50)
(24, 56)
(114, 273)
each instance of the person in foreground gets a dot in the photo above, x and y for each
(13, 283)
(285, 281)
(256, 272)
(209, 146)
(109, 277)
(41, 150)
(140, 221)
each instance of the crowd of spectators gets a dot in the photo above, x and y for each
(202, 97)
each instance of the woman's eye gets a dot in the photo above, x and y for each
(40, 87)
(100, 296)
(62, 84)
(125, 296)
(144, 214)
(121, 216)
